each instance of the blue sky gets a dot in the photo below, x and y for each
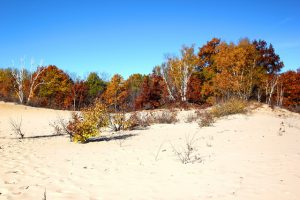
(129, 37)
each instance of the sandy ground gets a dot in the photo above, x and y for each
(254, 156)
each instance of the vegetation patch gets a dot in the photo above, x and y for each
(230, 107)
(82, 127)
(206, 119)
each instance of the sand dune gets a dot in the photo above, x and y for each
(240, 157)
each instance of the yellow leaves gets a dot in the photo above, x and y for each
(113, 89)
(87, 126)
(237, 69)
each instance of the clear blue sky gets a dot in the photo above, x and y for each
(133, 36)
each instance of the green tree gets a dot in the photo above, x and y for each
(96, 86)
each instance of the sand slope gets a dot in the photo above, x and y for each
(242, 157)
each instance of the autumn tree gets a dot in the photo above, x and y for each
(26, 82)
(20, 76)
(208, 69)
(112, 92)
(58, 86)
(79, 94)
(177, 72)
(272, 64)
(237, 70)
(289, 89)
(35, 82)
(130, 90)
(194, 88)
(153, 90)
(6, 85)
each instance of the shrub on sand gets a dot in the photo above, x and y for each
(206, 119)
(82, 127)
(16, 128)
(165, 117)
(230, 107)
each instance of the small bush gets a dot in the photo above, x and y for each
(233, 106)
(58, 129)
(136, 120)
(119, 122)
(82, 127)
(206, 119)
(191, 117)
(165, 117)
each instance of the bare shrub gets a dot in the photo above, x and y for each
(60, 127)
(206, 119)
(136, 121)
(58, 130)
(191, 117)
(16, 127)
(230, 107)
(165, 117)
(187, 153)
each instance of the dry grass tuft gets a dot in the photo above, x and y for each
(230, 107)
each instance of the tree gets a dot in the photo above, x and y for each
(130, 90)
(268, 59)
(6, 85)
(19, 80)
(194, 89)
(96, 86)
(237, 70)
(57, 88)
(35, 82)
(272, 64)
(178, 70)
(79, 94)
(290, 83)
(208, 70)
(112, 92)
(153, 90)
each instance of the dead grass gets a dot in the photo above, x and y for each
(206, 119)
(188, 152)
(163, 117)
(230, 107)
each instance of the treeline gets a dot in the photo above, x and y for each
(215, 72)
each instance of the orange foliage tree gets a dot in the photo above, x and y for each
(111, 96)
(57, 88)
(237, 70)
(6, 85)
(208, 70)
(153, 93)
(290, 88)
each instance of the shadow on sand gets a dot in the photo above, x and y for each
(109, 138)
(96, 139)
(41, 136)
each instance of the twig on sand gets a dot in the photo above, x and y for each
(158, 151)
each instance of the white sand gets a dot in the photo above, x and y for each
(243, 157)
